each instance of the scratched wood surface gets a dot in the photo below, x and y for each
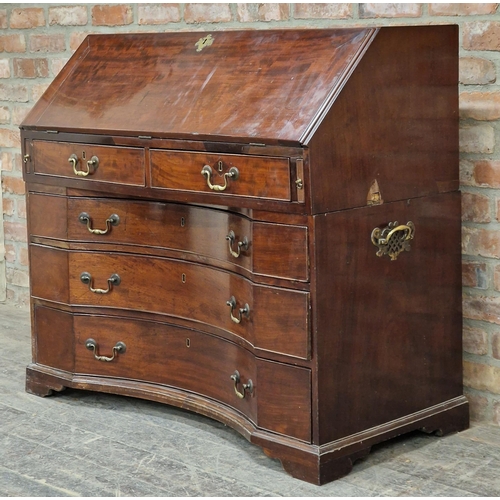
(89, 444)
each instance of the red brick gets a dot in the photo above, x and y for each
(480, 105)
(31, 17)
(474, 274)
(14, 93)
(483, 242)
(19, 114)
(21, 207)
(4, 68)
(477, 138)
(322, 10)
(31, 68)
(252, 12)
(15, 231)
(4, 115)
(461, 9)
(38, 90)
(47, 43)
(481, 35)
(207, 13)
(475, 341)
(18, 296)
(495, 345)
(23, 257)
(478, 406)
(159, 13)
(482, 308)
(73, 15)
(13, 185)
(485, 173)
(9, 138)
(6, 161)
(475, 208)
(8, 206)
(10, 252)
(17, 277)
(76, 39)
(369, 10)
(112, 15)
(496, 277)
(12, 43)
(482, 377)
(3, 18)
(476, 71)
(56, 65)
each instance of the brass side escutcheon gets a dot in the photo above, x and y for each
(204, 42)
(393, 239)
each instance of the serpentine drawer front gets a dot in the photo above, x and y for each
(260, 226)
(196, 232)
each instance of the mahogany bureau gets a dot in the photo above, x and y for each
(259, 226)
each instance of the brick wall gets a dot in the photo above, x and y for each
(37, 40)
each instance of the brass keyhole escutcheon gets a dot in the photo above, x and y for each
(183, 277)
(188, 342)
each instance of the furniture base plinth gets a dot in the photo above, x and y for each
(308, 462)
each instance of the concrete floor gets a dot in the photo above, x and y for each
(87, 444)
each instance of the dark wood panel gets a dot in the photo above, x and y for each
(284, 399)
(54, 340)
(48, 216)
(49, 274)
(116, 165)
(251, 86)
(388, 333)
(165, 354)
(396, 124)
(280, 251)
(258, 176)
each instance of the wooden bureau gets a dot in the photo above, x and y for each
(259, 226)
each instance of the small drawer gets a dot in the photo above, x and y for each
(250, 176)
(268, 318)
(89, 162)
(274, 396)
(273, 250)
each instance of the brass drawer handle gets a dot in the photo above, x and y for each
(112, 220)
(248, 387)
(242, 245)
(86, 278)
(206, 171)
(91, 345)
(393, 239)
(244, 311)
(93, 163)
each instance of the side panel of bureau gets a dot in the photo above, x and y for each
(391, 345)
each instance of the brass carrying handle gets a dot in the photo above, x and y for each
(393, 239)
(113, 280)
(206, 171)
(244, 311)
(92, 345)
(242, 245)
(112, 220)
(248, 387)
(93, 163)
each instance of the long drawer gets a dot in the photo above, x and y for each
(273, 250)
(88, 162)
(269, 318)
(250, 176)
(181, 358)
